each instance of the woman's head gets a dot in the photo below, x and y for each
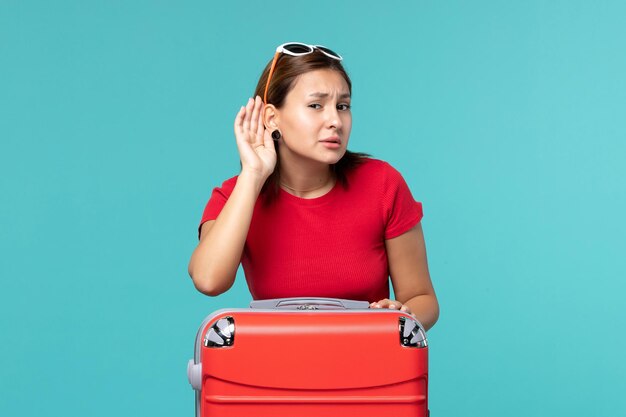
(308, 102)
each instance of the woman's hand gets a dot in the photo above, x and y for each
(392, 304)
(255, 144)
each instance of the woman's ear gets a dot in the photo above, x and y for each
(270, 117)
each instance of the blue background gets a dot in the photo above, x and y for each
(507, 120)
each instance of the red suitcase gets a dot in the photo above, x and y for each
(316, 357)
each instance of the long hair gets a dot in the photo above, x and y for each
(288, 68)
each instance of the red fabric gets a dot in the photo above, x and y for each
(330, 246)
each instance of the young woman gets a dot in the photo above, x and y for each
(305, 216)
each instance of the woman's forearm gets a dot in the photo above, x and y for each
(426, 309)
(215, 260)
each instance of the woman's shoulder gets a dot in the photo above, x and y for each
(230, 182)
(227, 186)
(375, 168)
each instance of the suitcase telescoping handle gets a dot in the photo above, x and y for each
(309, 303)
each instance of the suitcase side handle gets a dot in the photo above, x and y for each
(309, 303)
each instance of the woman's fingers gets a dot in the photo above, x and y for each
(249, 122)
(255, 145)
(248, 116)
(260, 127)
(391, 304)
(384, 303)
(239, 122)
(254, 121)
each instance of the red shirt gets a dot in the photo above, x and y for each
(330, 246)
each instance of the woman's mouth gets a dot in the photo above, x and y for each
(332, 142)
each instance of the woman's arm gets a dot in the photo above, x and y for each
(412, 286)
(215, 260)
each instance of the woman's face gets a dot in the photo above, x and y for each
(315, 120)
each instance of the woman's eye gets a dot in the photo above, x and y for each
(342, 107)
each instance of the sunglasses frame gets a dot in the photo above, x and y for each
(282, 50)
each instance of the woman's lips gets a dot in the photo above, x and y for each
(331, 145)
(332, 142)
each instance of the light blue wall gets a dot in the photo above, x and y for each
(506, 118)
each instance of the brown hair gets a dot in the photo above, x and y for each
(288, 68)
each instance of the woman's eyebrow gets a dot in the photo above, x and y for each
(323, 95)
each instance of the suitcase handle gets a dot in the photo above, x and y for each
(309, 303)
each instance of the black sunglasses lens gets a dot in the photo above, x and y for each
(328, 51)
(297, 48)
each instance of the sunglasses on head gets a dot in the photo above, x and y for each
(297, 49)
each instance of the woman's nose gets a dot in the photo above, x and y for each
(333, 118)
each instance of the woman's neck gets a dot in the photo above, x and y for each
(308, 180)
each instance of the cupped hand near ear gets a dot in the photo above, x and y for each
(254, 142)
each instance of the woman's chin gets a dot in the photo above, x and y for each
(334, 157)
(325, 156)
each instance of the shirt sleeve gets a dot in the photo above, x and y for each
(401, 211)
(216, 203)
